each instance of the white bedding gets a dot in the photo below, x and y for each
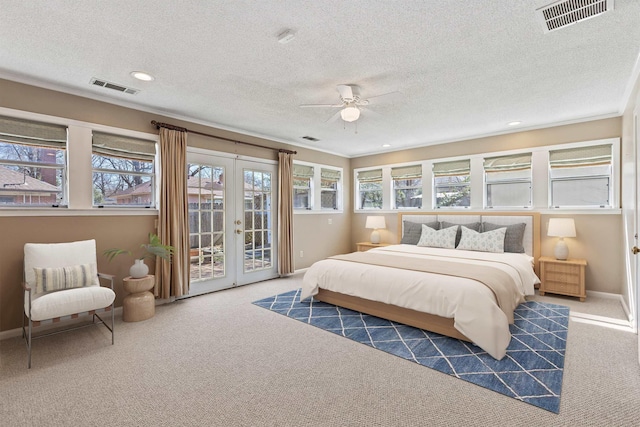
(470, 303)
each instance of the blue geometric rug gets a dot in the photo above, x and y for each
(531, 371)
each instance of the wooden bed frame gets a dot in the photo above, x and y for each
(429, 322)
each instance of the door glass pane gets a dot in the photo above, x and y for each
(257, 220)
(248, 220)
(206, 192)
(218, 256)
(218, 221)
(267, 258)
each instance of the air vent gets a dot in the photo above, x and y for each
(563, 13)
(113, 86)
(310, 138)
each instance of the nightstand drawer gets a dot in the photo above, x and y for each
(563, 277)
(562, 287)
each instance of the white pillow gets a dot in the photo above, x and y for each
(445, 238)
(491, 241)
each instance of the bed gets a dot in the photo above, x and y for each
(418, 285)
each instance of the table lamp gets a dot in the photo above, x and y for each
(375, 222)
(561, 227)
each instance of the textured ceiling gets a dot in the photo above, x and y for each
(462, 68)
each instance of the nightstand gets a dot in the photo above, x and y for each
(365, 246)
(563, 277)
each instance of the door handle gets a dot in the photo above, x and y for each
(635, 250)
(238, 231)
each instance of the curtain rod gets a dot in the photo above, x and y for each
(159, 125)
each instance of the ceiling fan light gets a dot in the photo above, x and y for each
(350, 114)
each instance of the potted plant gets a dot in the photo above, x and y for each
(149, 250)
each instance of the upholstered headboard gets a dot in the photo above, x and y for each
(531, 239)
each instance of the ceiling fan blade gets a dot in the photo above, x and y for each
(395, 93)
(345, 92)
(333, 118)
(368, 112)
(320, 105)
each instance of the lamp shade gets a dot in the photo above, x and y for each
(350, 114)
(375, 222)
(561, 227)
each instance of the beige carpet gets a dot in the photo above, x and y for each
(218, 360)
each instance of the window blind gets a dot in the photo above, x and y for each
(27, 132)
(302, 171)
(123, 146)
(330, 174)
(508, 163)
(455, 168)
(580, 156)
(407, 172)
(370, 176)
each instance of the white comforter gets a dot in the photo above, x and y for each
(470, 303)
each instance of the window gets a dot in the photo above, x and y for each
(407, 186)
(508, 181)
(370, 189)
(302, 190)
(32, 163)
(581, 177)
(452, 183)
(123, 171)
(329, 184)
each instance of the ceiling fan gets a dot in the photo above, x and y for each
(350, 102)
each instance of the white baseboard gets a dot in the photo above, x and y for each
(618, 297)
(605, 322)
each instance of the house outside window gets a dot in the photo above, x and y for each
(407, 187)
(33, 163)
(452, 184)
(123, 171)
(329, 186)
(302, 187)
(508, 181)
(581, 177)
(370, 189)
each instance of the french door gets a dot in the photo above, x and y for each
(232, 221)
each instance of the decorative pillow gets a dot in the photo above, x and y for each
(514, 237)
(475, 226)
(413, 231)
(491, 241)
(445, 238)
(55, 279)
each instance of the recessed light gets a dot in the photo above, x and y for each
(141, 75)
(516, 123)
(386, 145)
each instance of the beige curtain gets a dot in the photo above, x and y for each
(285, 214)
(172, 278)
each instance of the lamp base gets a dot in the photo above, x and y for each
(375, 236)
(561, 251)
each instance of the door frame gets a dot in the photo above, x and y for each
(232, 268)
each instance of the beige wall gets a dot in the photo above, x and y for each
(126, 232)
(599, 238)
(312, 233)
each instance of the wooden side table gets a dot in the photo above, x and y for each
(365, 246)
(140, 304)
(563, 277)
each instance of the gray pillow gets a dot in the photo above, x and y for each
(475, 226)
(413, 231)
(513, 237)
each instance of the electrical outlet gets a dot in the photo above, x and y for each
(301, 254)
